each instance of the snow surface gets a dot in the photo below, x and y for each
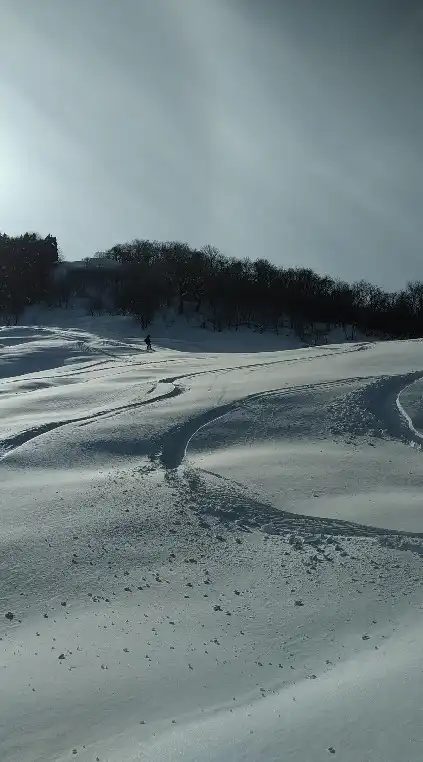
(209, 552)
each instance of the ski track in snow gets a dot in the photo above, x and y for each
(196, 563)
(404, 413)
(9, 444)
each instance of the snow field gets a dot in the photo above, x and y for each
(209, 555)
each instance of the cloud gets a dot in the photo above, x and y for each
(287, 130)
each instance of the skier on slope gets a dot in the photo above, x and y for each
(148, 343)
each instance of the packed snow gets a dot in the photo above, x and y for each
(209, 552)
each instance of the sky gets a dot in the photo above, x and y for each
(284, 129)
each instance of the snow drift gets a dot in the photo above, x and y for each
(209, 554)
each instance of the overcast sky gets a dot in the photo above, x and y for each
(288, 129)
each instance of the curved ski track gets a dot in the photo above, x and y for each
(10, 444)
(381, 396)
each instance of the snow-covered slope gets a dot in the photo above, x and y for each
(209, 554)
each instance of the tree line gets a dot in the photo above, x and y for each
(143, 277)
(26, 265)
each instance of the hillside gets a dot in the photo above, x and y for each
(210, 552)
(186, 332)
(148, 279)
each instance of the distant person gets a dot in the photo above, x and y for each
(148, 343)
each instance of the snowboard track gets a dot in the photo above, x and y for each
(10, 444)
(381, 396)
(236, 507)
